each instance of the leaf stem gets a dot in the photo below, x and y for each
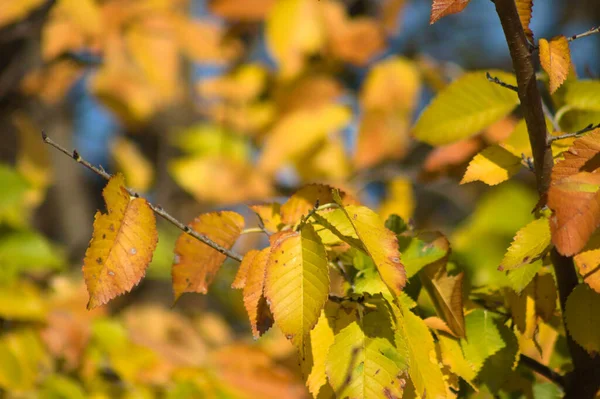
(253, 230)
(156, 208)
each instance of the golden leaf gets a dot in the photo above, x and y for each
(492, 166)
(441, 8)
(524, 8)
(122, 244)
(196, 264)
(254, 298)
(555, 58)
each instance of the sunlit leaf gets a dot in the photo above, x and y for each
(519, 278)
(23, 360)
(441, 8)
(320, 340)
(525, 8)
(573, 196)
(196, 264)
(555, 57)
(381, 245)
(363, 361)
(297, 283)
(400, 199)
(242, 275)
(483, 338)
(382, 135)
(13, 10)
(250, 10)
(122, 244)
(269, 214)
(583, 95)
(583, 319)
(452, 356)
(129, 159)
(588, 262)
(465, 107)
(21, 301)
(492, 166)
(423, 249)
(254, 298)
(423, 367)
(530, 243)
(305, 199)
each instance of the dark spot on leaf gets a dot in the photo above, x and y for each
(99, 261)
(111, 227)
(388, 394)
(526, 259)
(103, 236)
(583, 266)
(500, 268)
(377, 372)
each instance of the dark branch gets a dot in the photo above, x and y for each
(586, 129)
(156, 208)
(544, 370)
(494, 79)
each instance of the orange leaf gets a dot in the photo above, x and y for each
(122, 244)
(196, 264)
(241, 276)
(441, 8)
(305, 199)
(573, 195)
(441, 158)
(381, 136)
(555, 58)
(588, 262)
(269, 215)
(254, 299)
(524, 8)
(247, 11)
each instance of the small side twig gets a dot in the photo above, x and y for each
(588, 128)
(494, 79)
(584, 34)
(544, 370)
(156, 208)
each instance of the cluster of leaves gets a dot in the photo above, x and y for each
(372, 308)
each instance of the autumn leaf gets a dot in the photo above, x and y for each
(247, 11)
(453, 357)
(320, 340)
(363, 360)
(555, 57)
(380, 243)
(424, 371)
(13, 10)
(241, 276)
(269, 214)
(525, 8)
(588, 262)
(122, 244)
(196, 264)
(583, 319)
(573, 196)
(530, 244)
(464, 108)
(441, 8)
(254, 298)
(129, 159)
(400, 199)
(523, 310)
(492, 166)
(297, 283)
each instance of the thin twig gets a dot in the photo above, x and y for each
(156, 208)
(494, 79)
(584, 34)
(551, 117)
(586, 129)
(544, 370)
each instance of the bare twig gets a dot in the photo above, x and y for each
(586, 129)
(544, 370)
(494, 79)
(584, 34)
(156, 208)
(551, 117)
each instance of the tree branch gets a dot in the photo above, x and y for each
(156, 208)
(586, 129)
(544, 370)
(584, 34)
(583, 381)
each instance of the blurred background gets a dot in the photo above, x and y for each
(217, 104)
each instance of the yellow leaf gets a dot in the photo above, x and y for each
(382, 135)
(86, 14)
(583, 95)
(523, 310)
(391, 85)
(588, 262)
(294, 30)
(363, 361)
(423, 369)
(441, 8)
(530, 244)
(242, 86)
(524, 8)
(492, 166)
(254, 298)
(321, 339)
(464, 108)
(270, 215)
(196, 264)
(452, 356)
(555, 58)
(296, 134)
(129, 159)
(583, 319)
(242, 275)
(328, 162)
(545, 296)
(381, 245)
(297, 283)
(400, 199)
(13, 10)
(122, 244)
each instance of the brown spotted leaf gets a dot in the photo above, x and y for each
(196, 264)
(441, 8)
(573, 195)
(254, 299)
(122, 244)
(239, 282)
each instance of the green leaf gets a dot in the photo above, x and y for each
(363, 361)
(453, 357)
(424, 370)
(396, 224)
(297, 283)
(483, 338)
(530, 244)
(58, 386)
(421, 250)
(499, 367)
(465, 107)
(583, 95)
(12, 200)
(521, 277)
(583, 318)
